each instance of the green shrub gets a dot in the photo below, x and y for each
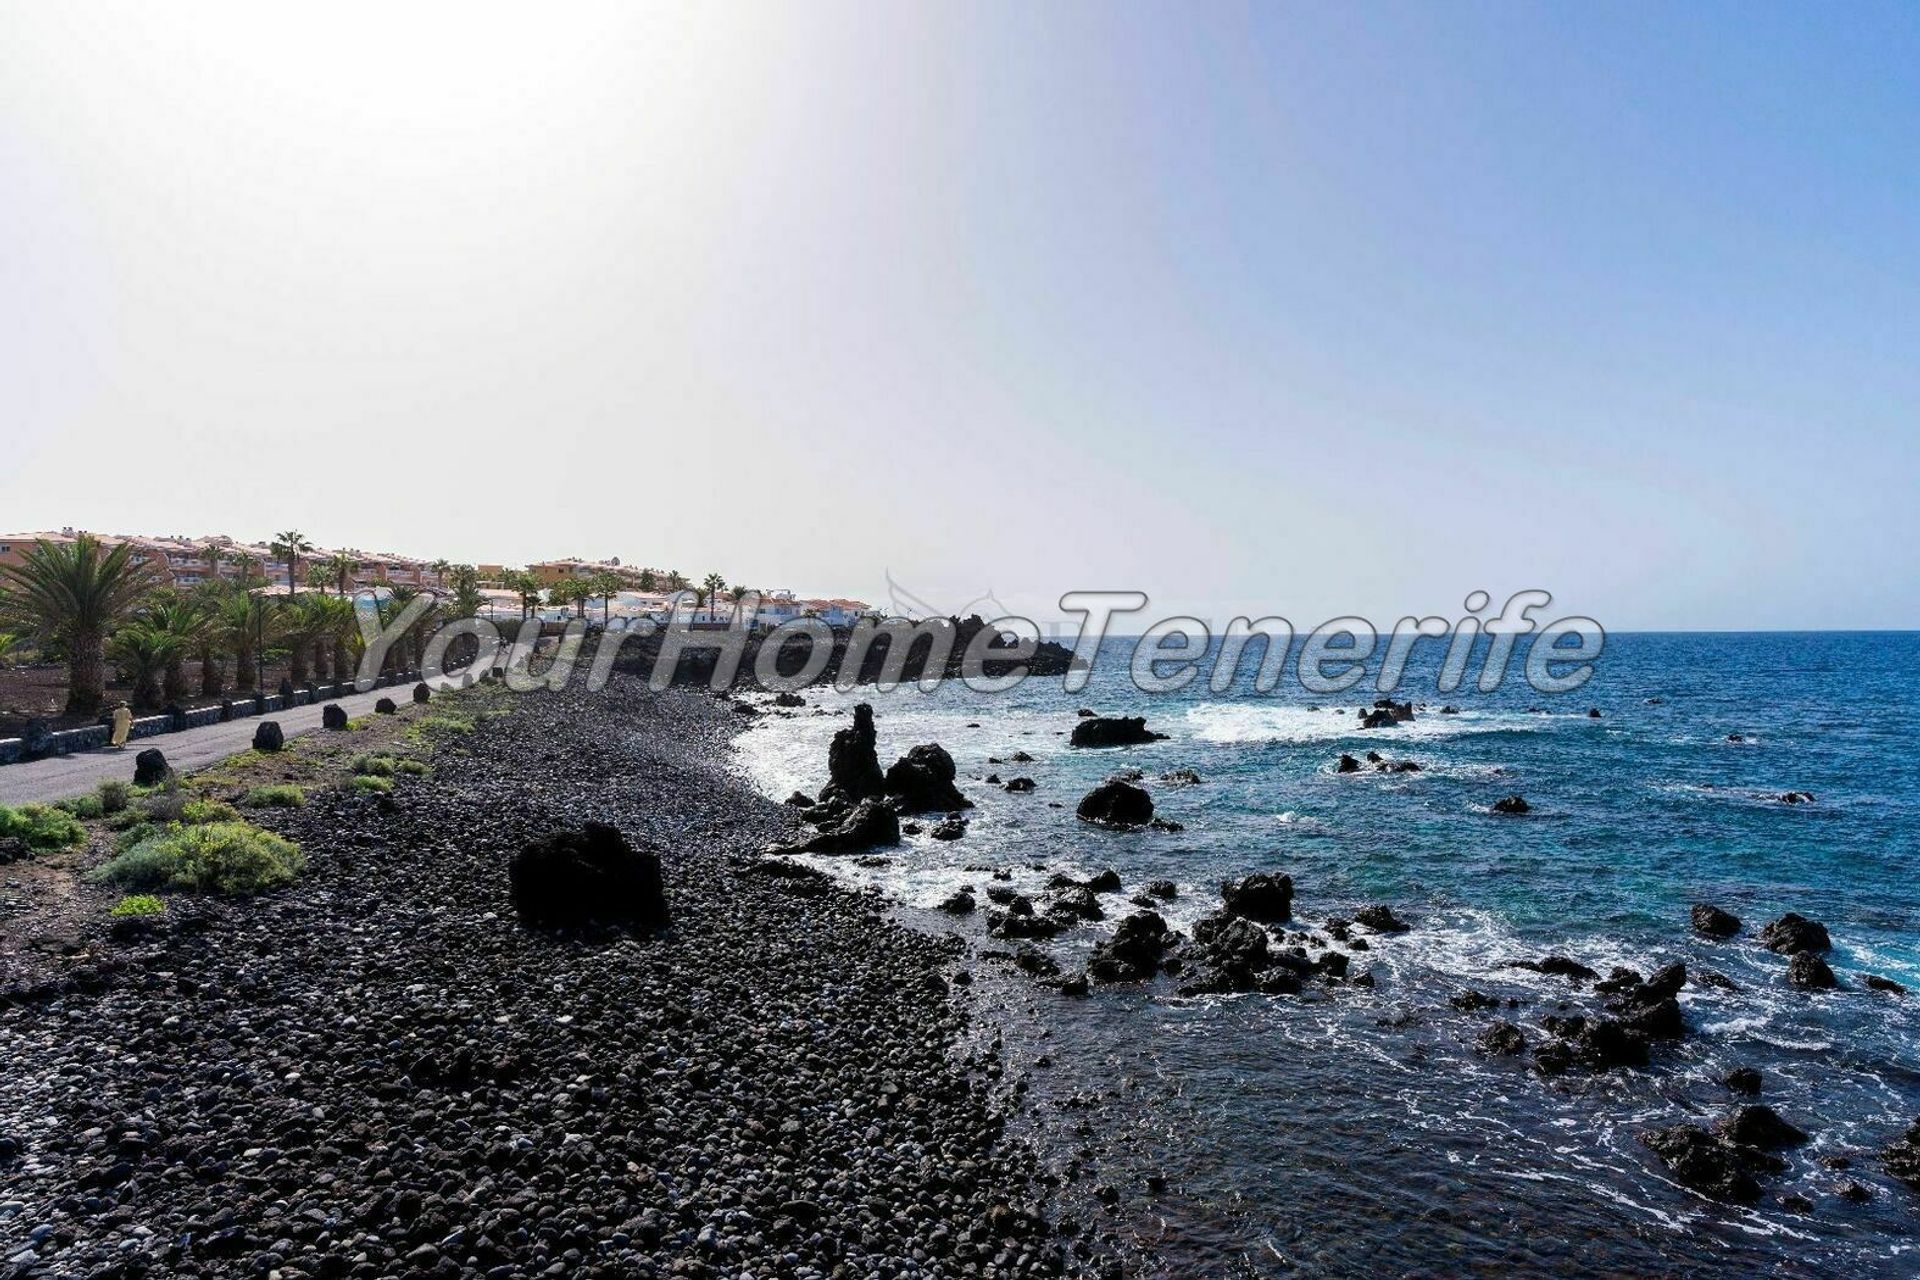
(197, 812)
(414, 767)
(372, 782)
(232, 858)
(85, 808)
(283, 795)
(138, 904)
(166, 804)
(115, 796)
(373, 766)
(41, 826)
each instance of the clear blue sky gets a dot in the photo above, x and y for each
(1313, 309)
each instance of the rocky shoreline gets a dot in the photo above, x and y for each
(379, 1071)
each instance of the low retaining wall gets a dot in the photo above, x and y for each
(92, 737)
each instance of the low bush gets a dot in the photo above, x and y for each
(229, 858)
(373, 766)
(198, 812)
(282, 795)
(42, 827)
(373, 782)
(115, 796)
(85, 808)
(138, 904)
(413, 767)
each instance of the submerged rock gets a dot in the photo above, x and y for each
(1112, 731)
(1380, 918)
(1347, 765)
(588, 875)
(1743, 1080)
(1809, 972)
(1902, 1158)
(1513, 805)
(1134, 952)
(1761, 1126)
(1710, 1165)
(1502, 1039)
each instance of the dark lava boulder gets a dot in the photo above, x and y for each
(1761, 1126)
(333, 716)
(1134, 952)
(1234, 949)
(1513, 805)
(1076, 902)
(853, 766)
(1019, 786)
(1502, 1039)
(921, 781)
(1181, 778)
(1558, 966)
(1709, 1164)
(150, 768)
(1711, 922)
(870, 823)
(1112, 731)
(1809, 971)
(1347, 765)
(788, 698)
(386, 707)
(269, 736)
(1380, 919)
(1104, 881)
(959, 903)
(1742, 1080)
(1794, 933)
(422, 692)
(1260, 896)
(1902, 1158)
(1116, 804)
(1166, 890)
(1014, 924)
(948, 829)
(1877, 983)
(589, 875)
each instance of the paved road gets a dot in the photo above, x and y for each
(62, 776)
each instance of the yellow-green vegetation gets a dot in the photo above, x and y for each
(41, 827)
(282, 795)
(138, 904)
(196, 812)
(372, 782)
(115, 796)
(85, 808)
(233, 859)
(414, 767)
(377, 766)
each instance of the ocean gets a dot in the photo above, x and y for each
(1352, 1130)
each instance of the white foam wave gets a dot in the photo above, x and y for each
(1240, 722)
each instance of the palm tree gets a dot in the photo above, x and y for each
(187, 621)
(239, 620)
(676, 580)
(144, 650)
(571, 591)
(465, 580)
(75, 592)
(649, 580)
(714, 583)
(606, 585)
(528, 587)
(290, 546)
(303, 624)
(339, 568)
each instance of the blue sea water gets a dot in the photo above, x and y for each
(1353, 1130)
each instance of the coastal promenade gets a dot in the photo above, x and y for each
(58, 777)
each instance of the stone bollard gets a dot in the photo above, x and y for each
(421, 693)
(269, 736)
(150, 768)
(333, 716)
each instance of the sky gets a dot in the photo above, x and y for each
(1301, 309)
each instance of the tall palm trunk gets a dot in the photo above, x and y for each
(243, 666)
(297, 662)
(175, 690)
(146, 691)
(342, 660)
(212, 679)
(320, 654)
(86, 672)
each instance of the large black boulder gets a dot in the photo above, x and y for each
(1902, 1158)
(422, 692)
(1233, 954)
(1761, 1126)
(1794, 933)
(1134, 952)
(1512, 806)
(386, 707)
(333, 716)
(853, 766)
(1112, 731)
(1260, 896)
(1711, 922)
(921, 781)
(871, 823)
(1116, 804)
(587, 876)
(150, 768)
(1809, 971)
(269, 736)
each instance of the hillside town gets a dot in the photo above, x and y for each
(156, 618)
